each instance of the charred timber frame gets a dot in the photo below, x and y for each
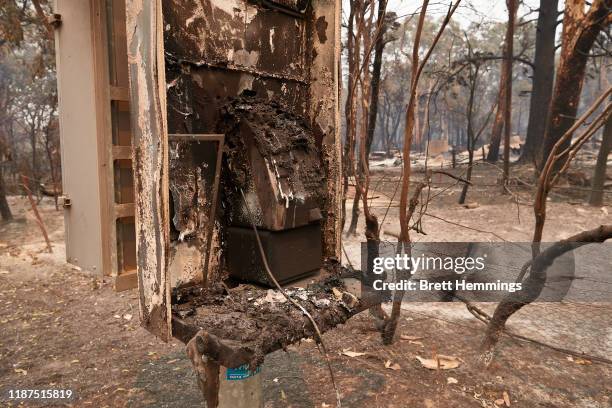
(150, 162)
(149, 119)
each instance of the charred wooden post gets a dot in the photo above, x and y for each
(207, 372)
(219, 387)
(150, 138)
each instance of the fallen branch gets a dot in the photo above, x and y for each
(461, 179)
(39, 220)
(534, 284)
(484, 317)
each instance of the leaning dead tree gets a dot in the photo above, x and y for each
(535, 283)
(560, 158)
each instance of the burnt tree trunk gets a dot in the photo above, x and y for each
(379, 47)
(372, 230)
(580, 30)
(512, 9)
(356, 76)
(498, 124)
(376, 71)
(347, 112)
(468, 175)
(599, 176)
(352, 229)
(35, 178)
(505, 79)
(471, 139)
(543, 79)
(5, 210)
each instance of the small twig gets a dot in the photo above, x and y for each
(465, 226)
(446, 173)
(291, 300)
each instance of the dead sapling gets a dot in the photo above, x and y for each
(404, 216)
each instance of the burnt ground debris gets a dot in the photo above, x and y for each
(247, 322)
(52, 315)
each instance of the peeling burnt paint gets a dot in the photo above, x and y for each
(147, 85)
(229, 46)
(323, 108)
(195, 98)
(234, 33)
(194, 163)
(192, 177)
(321, 26)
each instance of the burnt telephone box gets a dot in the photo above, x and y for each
(232, 99)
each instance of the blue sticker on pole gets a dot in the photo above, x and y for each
(240, 373)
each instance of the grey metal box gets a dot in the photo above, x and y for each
(291, 254)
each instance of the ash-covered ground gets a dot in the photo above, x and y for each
(61, 328)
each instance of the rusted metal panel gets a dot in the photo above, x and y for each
(150, 140)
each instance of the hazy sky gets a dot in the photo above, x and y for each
(468, 11)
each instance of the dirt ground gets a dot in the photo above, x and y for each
(62, 328)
